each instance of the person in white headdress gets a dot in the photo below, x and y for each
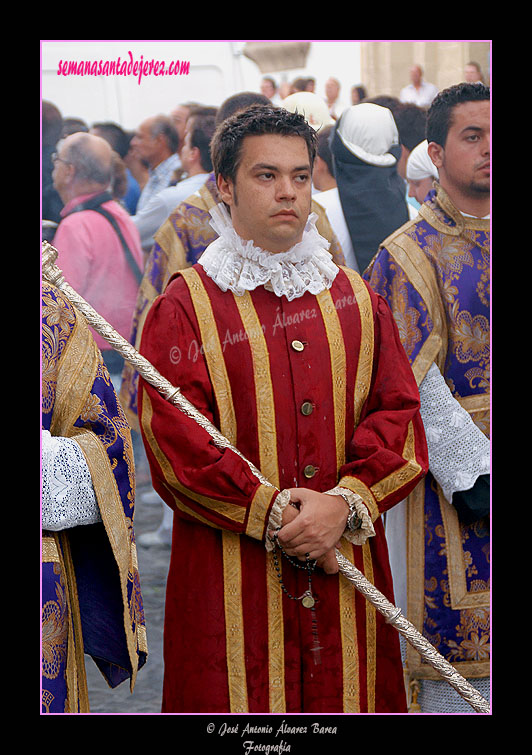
(420, 172)
(311, 106)
(365, 147)
(328, 197)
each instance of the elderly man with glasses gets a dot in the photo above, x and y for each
(98, 244)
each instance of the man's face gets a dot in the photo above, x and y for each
(186, 150)
(471, 74)
(331, 89)
(420, 188)
(63, 171)
(267, 89)
(270, 199)
(415, 75)
(179, 118)
(144, 145)
(464, 162)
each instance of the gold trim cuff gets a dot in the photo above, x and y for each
(366, 530)
(276, 515)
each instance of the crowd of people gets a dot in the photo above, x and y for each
(163, 232)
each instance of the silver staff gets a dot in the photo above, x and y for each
(392, 614)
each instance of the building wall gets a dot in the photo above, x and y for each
(385, 66)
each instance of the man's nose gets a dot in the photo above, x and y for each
(285, 188)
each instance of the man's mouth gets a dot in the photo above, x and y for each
(285, 213)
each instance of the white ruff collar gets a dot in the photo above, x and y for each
(239, 266)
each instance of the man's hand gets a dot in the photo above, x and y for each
(316, 529)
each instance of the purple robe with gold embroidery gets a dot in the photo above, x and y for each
(91, 598)
(435, 274)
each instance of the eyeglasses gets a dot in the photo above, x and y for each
(56, 158)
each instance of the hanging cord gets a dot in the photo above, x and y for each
(308, 599)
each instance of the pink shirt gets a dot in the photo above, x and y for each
(94, 264)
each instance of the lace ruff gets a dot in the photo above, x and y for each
(240, 266)
(68, 498)
(459, 452)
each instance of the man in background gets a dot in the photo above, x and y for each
(155, 142)
(419, 91)
(196, 164)
(98, 244)
(435, 275)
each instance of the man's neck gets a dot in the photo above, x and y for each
(82, 190)
(326, 183)
(155, 164)
(195, 170)
(479, 207)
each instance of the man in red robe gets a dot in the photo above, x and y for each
(300, 365)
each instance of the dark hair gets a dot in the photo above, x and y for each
(385, 100)
(74, 126)
(115, 135)
(411, 122)
(162, 124)
(226, 145)
(194, 110)
(440, 113)
(239, 101)
(201, 133)
(299, 84)
(119, 176)
(324, 147)
(52, 124)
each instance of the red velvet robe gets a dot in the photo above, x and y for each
(233, 641)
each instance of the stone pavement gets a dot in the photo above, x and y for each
(153, 569)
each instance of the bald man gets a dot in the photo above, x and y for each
(419, 92)
(98, 244)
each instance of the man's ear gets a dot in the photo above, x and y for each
(226, 189)
(435, 152)
(69, 174)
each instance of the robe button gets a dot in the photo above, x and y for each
(307, 408)
(298, 345)
(309, 471)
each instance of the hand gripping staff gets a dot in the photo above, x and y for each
(391, 613)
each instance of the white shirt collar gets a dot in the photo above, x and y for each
(240, 266)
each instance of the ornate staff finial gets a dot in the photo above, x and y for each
(49, 269)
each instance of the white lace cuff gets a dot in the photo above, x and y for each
(276, 515)
(459, 452)
(68, 498)
(366, 530)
